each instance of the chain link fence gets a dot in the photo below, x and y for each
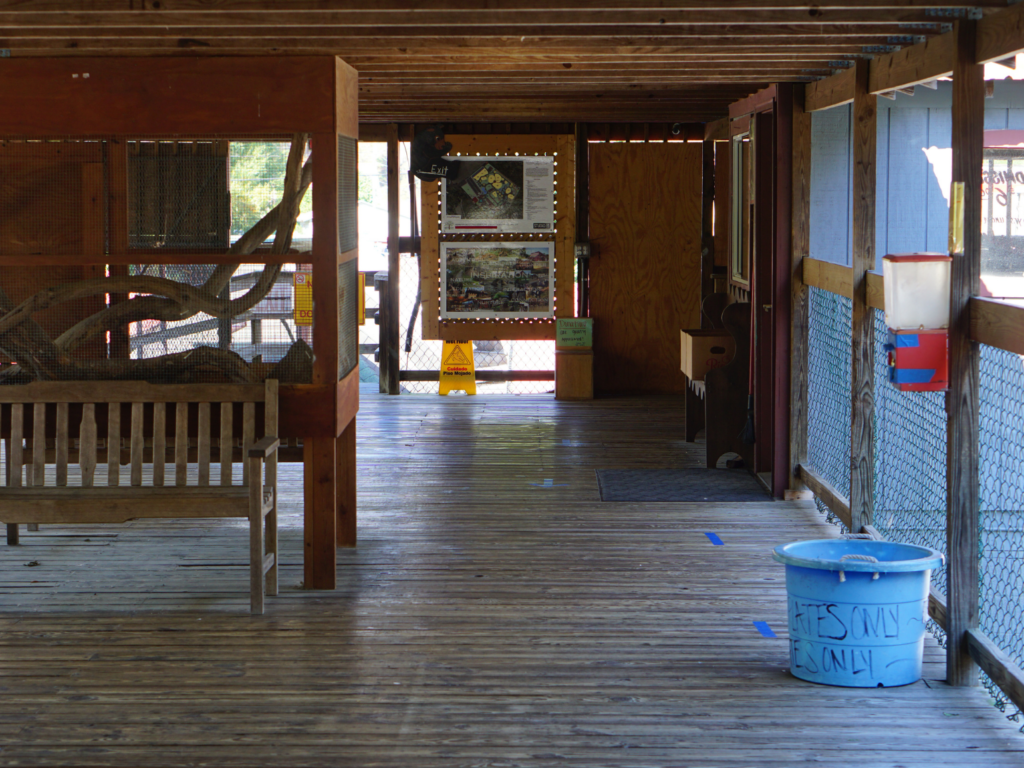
(910, 464)
(1001, 471)
(830, 327)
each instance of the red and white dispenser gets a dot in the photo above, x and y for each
(917, 315)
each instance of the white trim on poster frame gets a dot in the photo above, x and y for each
(519, 282)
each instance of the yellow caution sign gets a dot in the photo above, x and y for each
(457, 369)
(303, 285)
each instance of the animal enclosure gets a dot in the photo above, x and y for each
(188, 221)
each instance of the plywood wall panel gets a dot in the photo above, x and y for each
(645, 279)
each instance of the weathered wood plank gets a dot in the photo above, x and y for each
(831, 92)
(114, 445)
(862, 368)
(995, 663)
(159, 443)
(39, 444)
(180, 444)
(799, 300)
(1001, 35)
(916, 64)
(203, 440)
(61, 445)
(87, 445)
(837, 278)
(137, 445)
(128, 392)
(962, 427)
(997, 324)
(830, 497)
(248, 436)
(226, 443)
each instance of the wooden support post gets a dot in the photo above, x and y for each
(319, 516)
(962, 486)
(583, 217)
(707, 238)
(782, 286)
(320, 470)
(799, 293)
(389, 307)
(862, 433)
(345, 453)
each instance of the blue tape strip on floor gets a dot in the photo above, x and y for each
(714, 539)
(764, 629)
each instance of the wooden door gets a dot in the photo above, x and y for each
(645, 227)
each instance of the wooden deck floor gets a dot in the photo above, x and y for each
(495, 613)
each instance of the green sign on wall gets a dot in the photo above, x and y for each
(574, 333)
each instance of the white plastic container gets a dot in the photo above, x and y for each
(917, 291)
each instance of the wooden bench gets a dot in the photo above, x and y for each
(74, 427)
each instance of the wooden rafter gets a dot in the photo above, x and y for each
(532, 60)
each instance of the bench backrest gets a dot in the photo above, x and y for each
(56, 423)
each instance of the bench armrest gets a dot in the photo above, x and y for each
(264, 447)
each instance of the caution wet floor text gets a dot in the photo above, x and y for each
(457, 369)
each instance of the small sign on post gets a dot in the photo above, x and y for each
(362, 298)
(457, 369)
(302, 283)
(574, 333)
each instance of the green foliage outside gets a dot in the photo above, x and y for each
(257, 180)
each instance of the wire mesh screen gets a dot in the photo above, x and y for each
(910, 462)
(348, 237)
(257, 173)
(250, 335)
(178, 194)
(1001, 470)
(348, 317)
(830, 329)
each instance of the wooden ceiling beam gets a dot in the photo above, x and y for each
(731, 47)
(831, 92)
(370, 85)
(638, 68)
(1001, 35)
(158, 7)
(911, 66)
(668, 91)
(229, 30)
(284, 14)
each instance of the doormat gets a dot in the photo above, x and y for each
(691, 484)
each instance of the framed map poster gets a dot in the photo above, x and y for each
(504, 280)
(500, 194)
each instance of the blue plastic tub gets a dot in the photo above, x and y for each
(857, 610)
